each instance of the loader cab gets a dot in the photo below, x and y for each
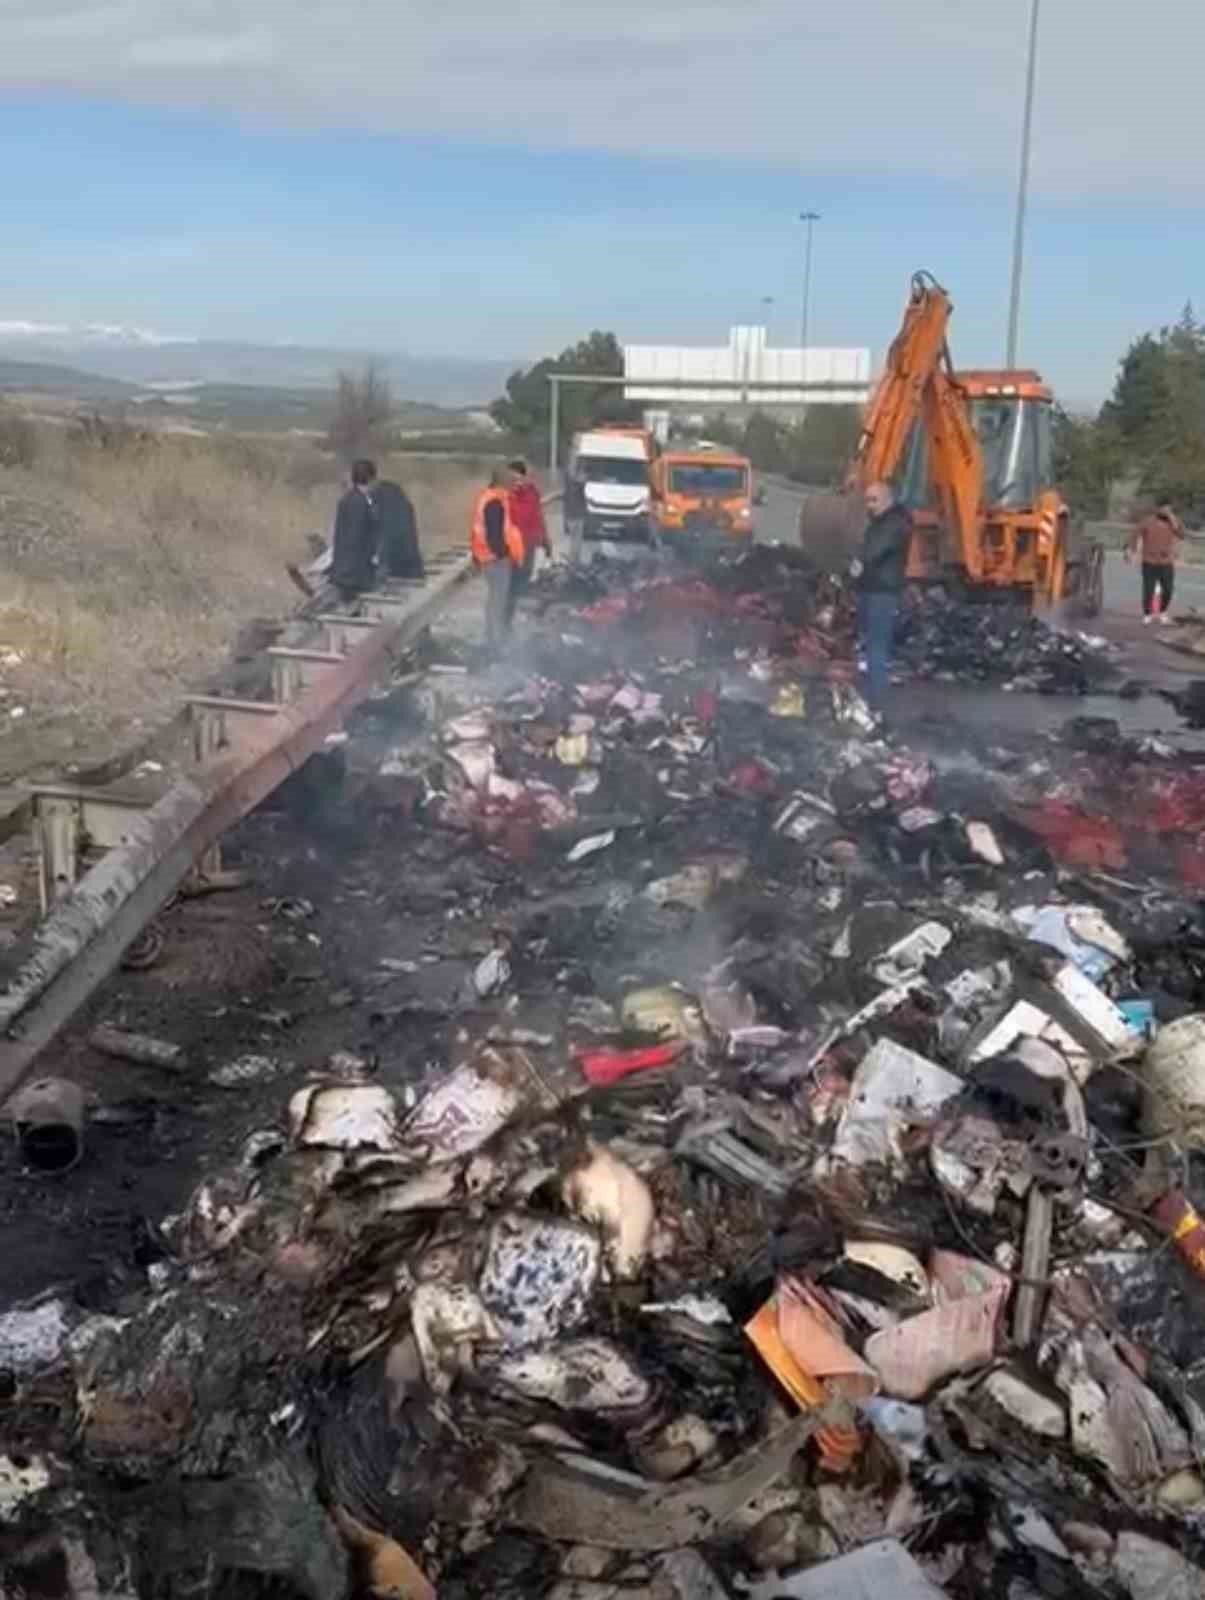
(1013, 417)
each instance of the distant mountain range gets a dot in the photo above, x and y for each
(145, 360)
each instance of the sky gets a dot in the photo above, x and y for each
(461, 179)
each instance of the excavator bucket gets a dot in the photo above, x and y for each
(831, 527)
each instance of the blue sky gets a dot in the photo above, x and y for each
(273, 202)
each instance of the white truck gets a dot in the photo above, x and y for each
(612, 469)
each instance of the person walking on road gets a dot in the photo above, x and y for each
(397, 529)
(880, 573)
(354, 545)
(496, 546)
(527, 514)
(1157, 537)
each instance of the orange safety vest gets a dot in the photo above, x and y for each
(479, 544)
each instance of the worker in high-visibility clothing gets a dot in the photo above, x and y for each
(497, 547)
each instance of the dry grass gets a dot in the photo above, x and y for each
(126, 575)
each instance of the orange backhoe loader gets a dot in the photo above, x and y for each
(970, 453)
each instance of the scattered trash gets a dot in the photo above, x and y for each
(137, 1047)
(32, 1340)
(788, 701)
(22, 1478)
(602, 1067)
(492, 974)
(814, 1170)
(591, 846)
(1174, 1071)
(893, 1090)
(984, 843)
(907, 958)
(48, 1120)
(883, 1567)
(1079, 932)
(660, 1012)
(245, 1070)
(603, 1190)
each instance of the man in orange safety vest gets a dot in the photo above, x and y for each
(497, 547)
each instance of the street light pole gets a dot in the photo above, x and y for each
(1014, 306)
(809, 219)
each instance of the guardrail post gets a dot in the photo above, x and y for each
(286, 680)
(208, 737)
(57, 823)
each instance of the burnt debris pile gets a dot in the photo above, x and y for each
(795, 1194)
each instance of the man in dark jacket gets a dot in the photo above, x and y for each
(354, 546)
(880, 574)
(397, 531)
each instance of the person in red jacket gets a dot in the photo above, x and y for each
(527, 514)
(1157, 538)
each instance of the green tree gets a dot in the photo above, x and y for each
(1157, 413)
(764, 441)
(524, 410)
(1142, 396)
(821, 445)
(1089, 456)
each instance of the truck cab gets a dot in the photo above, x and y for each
(703, 496)
(613, 466)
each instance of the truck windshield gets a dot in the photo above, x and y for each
(708, 478)
(911, 482)
(612, 469)
(1016, 440)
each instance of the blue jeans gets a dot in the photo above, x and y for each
(876, 622)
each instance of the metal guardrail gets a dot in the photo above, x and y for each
(244, 750)
(248, 750)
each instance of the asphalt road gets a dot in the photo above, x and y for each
(778, 522)
(1123, 587)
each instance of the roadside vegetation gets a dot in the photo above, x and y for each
(131, 560)
(1147, 442)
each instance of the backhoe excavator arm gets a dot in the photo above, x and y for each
(898, 402)
(918, 385)
(956, 467)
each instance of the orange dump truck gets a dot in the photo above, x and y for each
(703, 496)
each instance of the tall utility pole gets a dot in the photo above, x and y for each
(809, 220)
(1014, 305)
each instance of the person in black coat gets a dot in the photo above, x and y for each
(354, 546)
(397, 531)
(880, 572)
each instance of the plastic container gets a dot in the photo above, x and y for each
(1174, 1073)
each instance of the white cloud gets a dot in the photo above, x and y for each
(204, 51)
(885, 87)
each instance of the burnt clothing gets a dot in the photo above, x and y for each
(397, 531)
(885, 551)
(1158, 537)
(1160, 575)
(354, 546)
(493, 516)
